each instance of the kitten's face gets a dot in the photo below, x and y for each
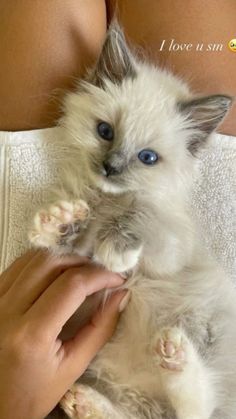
(135, 143)
(138, 132)
(129, 140)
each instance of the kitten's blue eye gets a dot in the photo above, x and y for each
(148, 157)
(105, 131)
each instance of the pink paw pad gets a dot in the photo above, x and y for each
(59, 223)
(77, 403)
(170, 349)
(72, 405)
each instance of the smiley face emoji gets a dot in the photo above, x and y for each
(232, 45)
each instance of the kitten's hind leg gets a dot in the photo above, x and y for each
(185, 379)
(59, 225)
(84, 402)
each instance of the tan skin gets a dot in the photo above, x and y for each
(43, 47)
(38, 294)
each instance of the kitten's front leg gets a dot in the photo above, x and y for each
(58, 226)
(118, 246)
(185, 379)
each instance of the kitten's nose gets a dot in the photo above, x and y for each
(109, 169)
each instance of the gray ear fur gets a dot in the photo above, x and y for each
(205, 113)
(116, 61)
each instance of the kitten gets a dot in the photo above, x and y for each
(133, 132)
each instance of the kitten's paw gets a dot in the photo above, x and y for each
(115, 261)
(82, 402)
(170, 349)
(60, 224)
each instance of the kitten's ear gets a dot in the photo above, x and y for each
(205, 114)
(116, 61)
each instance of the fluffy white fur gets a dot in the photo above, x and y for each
(173, 354)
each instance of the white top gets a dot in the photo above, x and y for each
(28, 170)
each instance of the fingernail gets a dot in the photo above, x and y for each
(125, 300)
(116, 279)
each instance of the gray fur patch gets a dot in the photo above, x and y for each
(206, 113)
(117, 160)
(116, 61)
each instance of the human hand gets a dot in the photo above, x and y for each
(38, 294)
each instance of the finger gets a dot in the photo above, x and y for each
(78, 352)
(63, 297)
(10, 275)
(37, 275)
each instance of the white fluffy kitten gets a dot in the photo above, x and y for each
(133, 131)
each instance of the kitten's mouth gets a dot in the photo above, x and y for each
(108, 184)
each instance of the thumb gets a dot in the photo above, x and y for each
(80, 350)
